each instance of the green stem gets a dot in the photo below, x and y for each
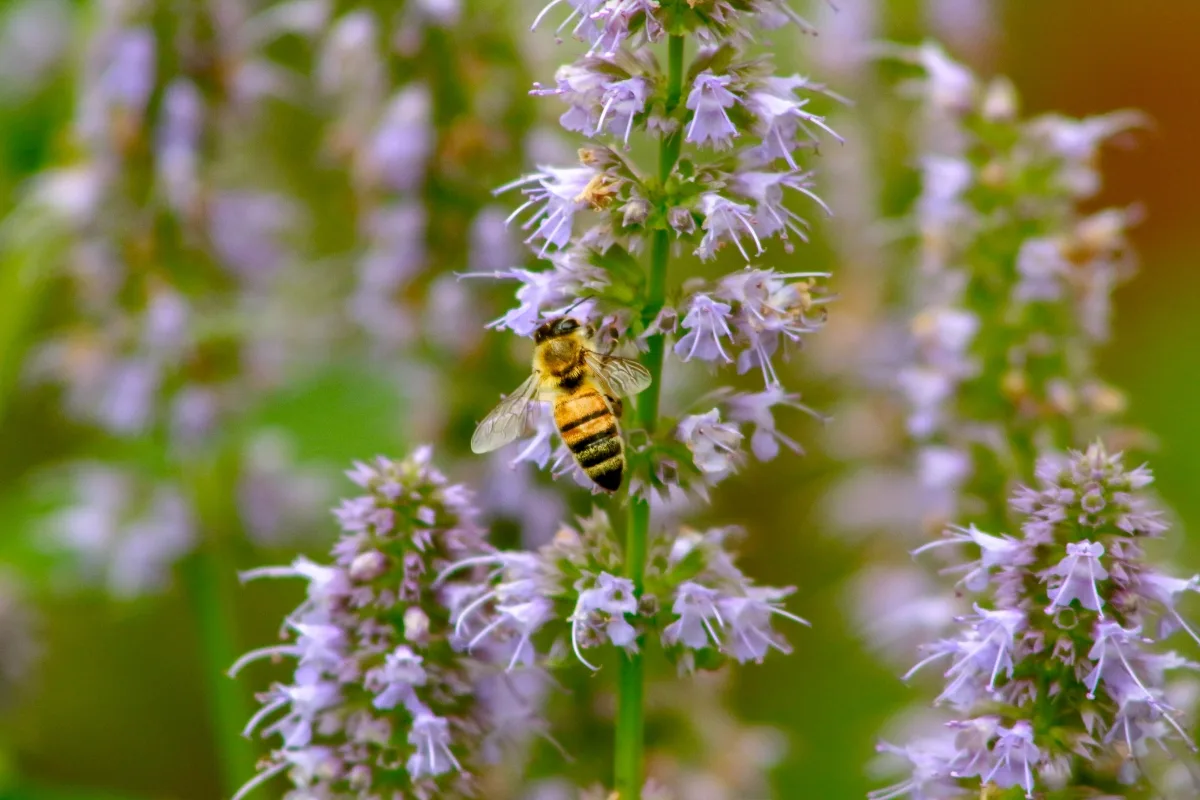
(27, 248)
(669, 149)
(630, 734)
(210, 580)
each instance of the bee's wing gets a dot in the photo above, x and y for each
(623, 375)
(506, 421)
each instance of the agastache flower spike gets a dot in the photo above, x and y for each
(1072, 696)
(593, 221)
(377, 698)
(1032, 378)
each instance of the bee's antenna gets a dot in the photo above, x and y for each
(577, 302)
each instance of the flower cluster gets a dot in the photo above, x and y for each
(732, 136)
(532, 603)
(1057, 680)
(709, 199)
(165, 266)
(387, 695)
(757, 312)
(125, 530)
(408, 129)
(178, 227)
(714, 610)
(141, 207)
(717, 200)
(1013, 291)
(536, 603)
(748, 317)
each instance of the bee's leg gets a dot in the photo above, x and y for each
(616, 404)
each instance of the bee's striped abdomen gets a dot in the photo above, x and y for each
(590, 430)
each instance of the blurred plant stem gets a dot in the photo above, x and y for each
(630, 743)
(209, 578)
(28, 245)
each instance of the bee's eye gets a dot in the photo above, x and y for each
(567, 325)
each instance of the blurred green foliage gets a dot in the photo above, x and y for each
(117, 709)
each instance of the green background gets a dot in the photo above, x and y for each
(117, 707)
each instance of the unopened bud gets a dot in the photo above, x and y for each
(635, 212)
(368, 566)
(1000, 102)
(682, 221)
(416, 624)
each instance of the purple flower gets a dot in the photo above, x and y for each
(696, 609)
(556, 195)
(706, 323)
(766, 190)
(1165, 589)
(372, 639)
(394, 683)
(177, 145)
(546, 292)
(995, 551)
(1015, 757)
(583, 86)
(725, 221)
(715, 445)
(124, 531)
(128, 76)
(748, 633)
(1110, 655)
(770, 309)
(709, 101)
(430, 738)
(604, 607)
(623, 100)
(400, 147)
(247, 230)
(617, 16)
(1074, 578)
(581, 10)
(756, 408)
(780, 116)
(931, 777)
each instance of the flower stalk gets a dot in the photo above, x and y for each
(630, 739)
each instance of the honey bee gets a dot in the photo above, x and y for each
(585, 388)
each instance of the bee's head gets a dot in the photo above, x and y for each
(551, 328)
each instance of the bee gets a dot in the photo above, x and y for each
(585, 389)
